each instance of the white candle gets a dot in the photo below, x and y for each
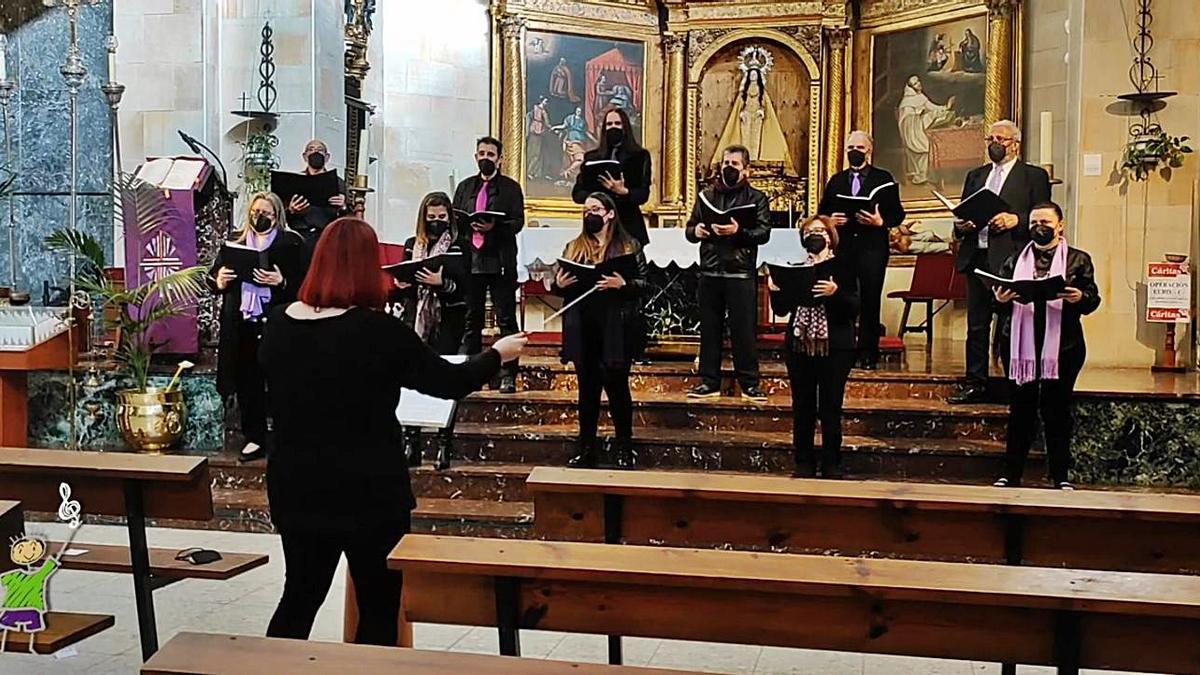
(111, 43)
(1047, 138)
(3, 57)
(364, 149)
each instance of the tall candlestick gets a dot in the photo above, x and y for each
(364, 148)
(1047, 138)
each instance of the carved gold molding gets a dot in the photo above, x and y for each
(673, 136)
(513, 120)
(837, 39)
(634, 13)
(998, 88)
(875, 12)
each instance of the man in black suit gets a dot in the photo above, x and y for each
(987, 246)
(492, 247)
(864, 234)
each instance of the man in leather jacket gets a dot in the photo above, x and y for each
(728, 271)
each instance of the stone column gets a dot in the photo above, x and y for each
(997, 92)
(674, 137)
(512, 118)
(835, 84)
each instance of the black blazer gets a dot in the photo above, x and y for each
(852, 234)
(1080, 274)
(636, 168)
(312, 222)
(1025, 186)
(447, 335)
(841, 309)
(288, 252)
(499, 252)
(623, 334)
(735, 256)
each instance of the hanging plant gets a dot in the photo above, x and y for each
(258, 161)
(1154, 151)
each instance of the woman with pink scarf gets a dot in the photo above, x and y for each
(1042, 345)
(245, 304)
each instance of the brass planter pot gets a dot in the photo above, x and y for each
(151, 420)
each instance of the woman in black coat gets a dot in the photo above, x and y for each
(245, 305)
(605, 332)
(1043, 377)
(629, 187)
(435, 307)
(820, 348)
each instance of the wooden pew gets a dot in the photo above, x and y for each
(1064, 618)
(134, 486)
(163, 565)
(209, 654)
(1084, 529)
(62, 628)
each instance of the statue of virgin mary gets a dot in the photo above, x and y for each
(753, 121)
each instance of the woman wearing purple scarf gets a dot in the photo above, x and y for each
(245, 304)
(1042, 345)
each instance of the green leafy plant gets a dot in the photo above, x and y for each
(138, 311)
(1154, 151)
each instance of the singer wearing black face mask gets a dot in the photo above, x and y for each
(245, 304)
(987, 245)
(628, 185)
(728, 273)
(1042, 346)
(604, 332)
(435, 307)
(864, 234)
(820, 350)
(491, 244)
(310, 219)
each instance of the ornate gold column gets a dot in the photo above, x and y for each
(835, 85)
(673, 138)
(513, 98)
(997, 92)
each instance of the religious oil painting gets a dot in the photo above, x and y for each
(571, 81)
(927, 106)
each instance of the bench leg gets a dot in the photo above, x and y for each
(1068, 642)
(904, 319)
(508, 615)
(139, 556)
(613, 526)
(1008, 669)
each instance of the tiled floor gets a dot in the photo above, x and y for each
(244, 605)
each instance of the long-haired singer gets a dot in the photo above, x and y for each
(620, 168)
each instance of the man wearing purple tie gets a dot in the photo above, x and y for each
(864, 233)
(493, 206)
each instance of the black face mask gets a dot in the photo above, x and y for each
(815, 243)
(317, 161)
(435, 228)
(262, 224)
(730, 176)
(486, 167)
(1041, 235)
(996, 152)
(614, 136)
(593, 223)
(856, 158)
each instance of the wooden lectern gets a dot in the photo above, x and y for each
(53, 354)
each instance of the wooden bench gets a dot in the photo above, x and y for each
(1058, 617)
(209, 654)
(1084, 529)
(134, 486)
(163, 565)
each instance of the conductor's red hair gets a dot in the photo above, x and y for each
(344, 271)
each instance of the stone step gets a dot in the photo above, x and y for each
(511, 447)
(890, 418)
(484, 480)
(542, 373)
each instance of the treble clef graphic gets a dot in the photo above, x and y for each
(69, 510)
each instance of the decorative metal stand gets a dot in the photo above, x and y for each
(7, 88)
(1143, 74)
(258, 146)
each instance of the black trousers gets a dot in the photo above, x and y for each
(979, 323)
(1054, 402)
(593, 377)
(870, 267)
(251, 384)
(737, 297)
(504, 300)
(311, 559)
(818, 385)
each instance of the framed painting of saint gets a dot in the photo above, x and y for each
(570, 82)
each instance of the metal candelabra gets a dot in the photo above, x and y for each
(7, 88)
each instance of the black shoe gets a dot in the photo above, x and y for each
(1064, 485)
(585, 458)
(754, 394)
(258, 452)
(832, 473)
(704, 391)
(508, 384)
(412, 447)
(971, 394)
(869, 363)
(624, 456)
(445, 446)
(1001, 482)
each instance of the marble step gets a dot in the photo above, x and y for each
(484, 480)
(516, 446)
(907, 418)
(542, 373)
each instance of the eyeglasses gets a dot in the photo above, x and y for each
(256, 212)
(998, 139)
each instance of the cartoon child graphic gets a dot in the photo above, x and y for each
(24, 606)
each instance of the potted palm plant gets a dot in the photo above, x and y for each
(150, 418)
